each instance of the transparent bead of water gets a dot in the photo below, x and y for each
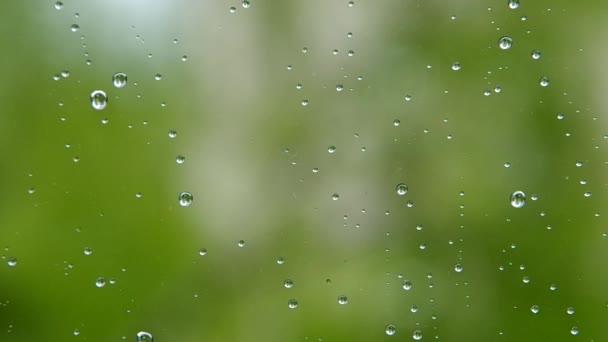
(535, 309)
(513, 4)
(390, 330)
(172, 134)
(184, 58)
(544, 81)
(292, 304)
(180, 159)
(331, 149)
(88, 251)
(288, 283)
(99, 99)
(202, 252)
(76, 332)
(304, 102)
(119, 79)
(185, 199)
(342, 300)
(58, 5)
(458, 268)
(65, 73)
(144, 336)
(396, 122)
(574, 330)
(339, 87)
(401, 189)
(232, 9)
(407, 285)
(241, 243)
(417, 335)
(570, 311)
(456, 66)
(518, 199)
(100, 282)
(280, 261)
(505, 42)
(246, 4)
(335, 197)
(74, 28)
(11, 261)
(536, 54)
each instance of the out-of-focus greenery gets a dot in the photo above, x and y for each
(257, 163)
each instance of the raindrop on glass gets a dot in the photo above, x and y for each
(505, 42)
(65, 73)
(401, 189)
(339, 87)
(574, 330)
(185, 199)
(304, 102)
(99, 100)
(390, 330)
(280, 261)
(570, 311)
(119, 79)
(158, 77)
(518, 199)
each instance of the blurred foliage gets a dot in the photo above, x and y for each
(379, 85)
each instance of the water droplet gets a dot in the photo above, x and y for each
(570, 311)
(342, 300)
(202, 252)
(11, 261)
(458, 268)
(407, 285)
(180, 159)
(335, 197)
(88, 251)
(497, 89)
(288, 283)
(240, 243)
(349, 34)
(396, 122)
(280, 261)
(544, 81)
(390, 330)
(574, 330)
(65, 73)
(74, 28)
(304, 50)
(487, 92)
(560, 116)
(185, 199)
(513, 4)
(58, 5)
(417, 335)
(507, 164)
(456, 66)
(518, 199)
(339, 87)
(553, 287)
(351, 4)
(331, 149)
(119, 79)
(535, 309)
(172, 134)
(232, 9)
(158, 77)
(246, 4)
(143, 336)
(99, 100)
(505, 42)
(351, 53)
(76, 332)
(100, 282)
(304, 102)
(184, 58)
(401, 189)
(408, 97)
(292, 304)
(536, 54)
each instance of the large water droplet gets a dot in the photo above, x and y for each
(390, 330)
(288, 283)
(535, 309)
(59, 5)
(536, 54)
(407, 285)
(100, 282)
(74, 28)
(143, 336)
(417, 335)
(185, 199)
(518, 199)
(544, 81)
(99, 99)
(11, 261)
(574, 330)
(401, 189)
(342, 300)
(513, 4)
(505, 42)
(119, 79)
(292, 304)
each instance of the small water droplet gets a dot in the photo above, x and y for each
(408, 97)
(570, 311)
(246, 4)
(74, 28)
(288, 283)
(241, 243)
(12, 261)
(280, 261)
(335, 197)
(417, 335)
(184, 58)
(351, 4)
(172, 134)
(202, 252)
(304, 102)
(180, 159)
(292, 304)
(544, 81)
(88, 251)
(535, 309)
(407, 285)
(99, 100)
(58, 5)
(65, 73)
(119, 79)
(331, 149)
(100, 282)
(396, 122)
(513, 4)
(458, 268)
(574, 330)
(342, 300)
(76, 332)
(505, 42)
(339, 87)
(158, 77)
(232, 9)
(390, 330)
(401, 189)
(536, 54)
(456, 66)
(185, 199)
(518, 199)
(143, 336)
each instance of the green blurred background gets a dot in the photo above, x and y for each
(257, 163)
